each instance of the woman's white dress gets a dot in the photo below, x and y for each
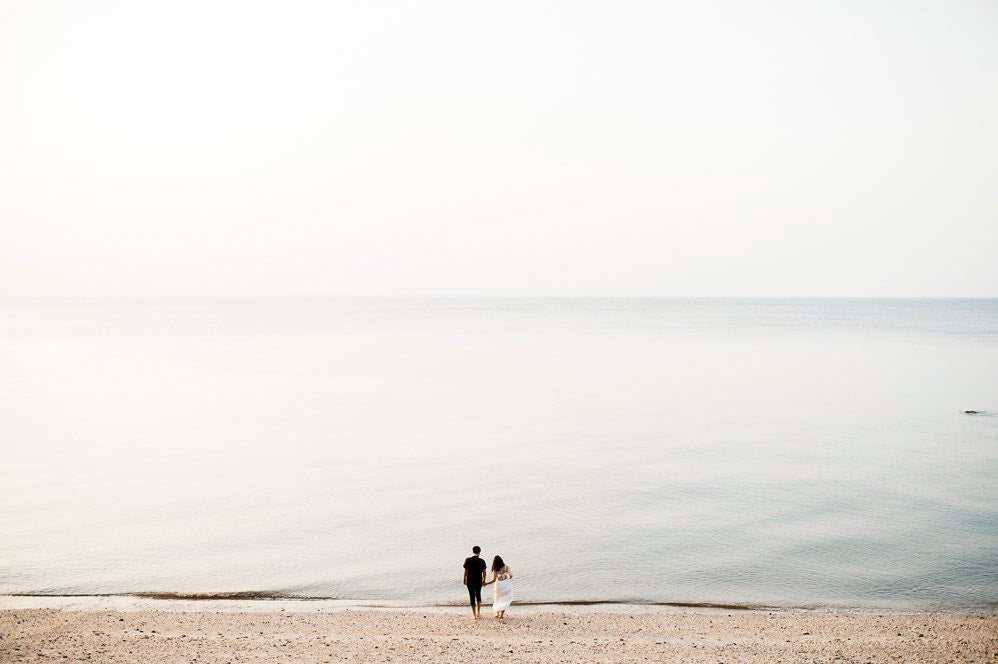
(503, 590)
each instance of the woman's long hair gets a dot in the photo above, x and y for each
(497, 564)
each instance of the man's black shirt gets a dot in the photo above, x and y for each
(475, 567)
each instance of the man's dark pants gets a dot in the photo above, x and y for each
(475, 594)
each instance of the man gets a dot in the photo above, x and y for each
(474, 577)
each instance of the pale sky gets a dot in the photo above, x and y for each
(508, 148)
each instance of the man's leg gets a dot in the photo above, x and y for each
(471, 596)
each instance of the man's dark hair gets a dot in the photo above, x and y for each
(476, 549)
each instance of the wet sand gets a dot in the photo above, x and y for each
(534, 635)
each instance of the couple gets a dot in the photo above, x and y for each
(474, 578)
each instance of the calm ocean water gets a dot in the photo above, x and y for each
(786, 452)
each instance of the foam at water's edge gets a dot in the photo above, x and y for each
(239, 595)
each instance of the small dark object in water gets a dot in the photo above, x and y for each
(972, 412)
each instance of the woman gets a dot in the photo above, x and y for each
(502, 576)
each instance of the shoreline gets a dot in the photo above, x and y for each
(264, 601)
(532, 633)
(43, 600)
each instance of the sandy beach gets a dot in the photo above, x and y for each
(540, 634)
